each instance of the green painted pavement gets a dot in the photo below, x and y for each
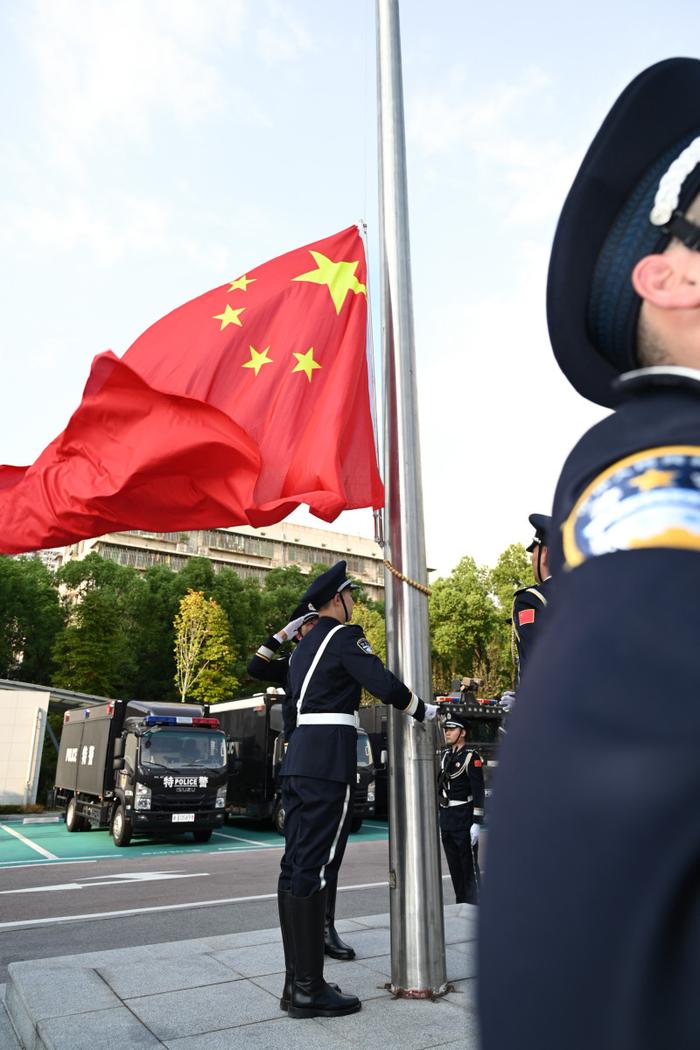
(50, 843)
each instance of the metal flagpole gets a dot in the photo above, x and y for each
(417, 928)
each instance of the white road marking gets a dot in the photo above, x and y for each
(254, 842)
(28, 842)
(169, 907)
(121, 879)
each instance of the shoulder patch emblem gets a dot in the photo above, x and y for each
(364, 645)
(526, 616)
(648, 500)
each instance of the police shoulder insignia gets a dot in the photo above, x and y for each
(364, 645)
(650, 499)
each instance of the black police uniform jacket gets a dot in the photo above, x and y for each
(612, 691)
(461, 779)
(529, 605)
(329, 752)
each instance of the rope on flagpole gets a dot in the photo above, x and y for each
(406, 579)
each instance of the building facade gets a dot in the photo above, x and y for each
(251, 553)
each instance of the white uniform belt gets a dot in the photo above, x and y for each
(330, 719)
(460, 802)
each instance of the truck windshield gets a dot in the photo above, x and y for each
(364, 753)
(183, 749)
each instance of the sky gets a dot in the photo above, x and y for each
(151, 149)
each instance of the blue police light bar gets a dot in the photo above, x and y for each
(178, 720)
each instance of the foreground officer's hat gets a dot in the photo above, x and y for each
(455, 722)
(641, 171)
(541, 524)
(329, 583)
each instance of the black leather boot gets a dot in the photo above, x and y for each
(311, 995)
(283, 897)
(333, 945)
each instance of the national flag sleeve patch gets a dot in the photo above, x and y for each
(477, 763)
(526, 616)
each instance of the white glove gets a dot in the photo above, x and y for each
(474, 834)
(431, 711)
(290, 630)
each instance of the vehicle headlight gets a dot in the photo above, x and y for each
(142, 797)
(221, 797)
(370, 791)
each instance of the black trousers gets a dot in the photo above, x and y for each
(462, 858)
(317, 817)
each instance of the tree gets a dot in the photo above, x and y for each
(242, 602)
(203, 651)
(462, 621)
(30, 619)
(95, 651)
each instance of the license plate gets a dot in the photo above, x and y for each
(183, 818)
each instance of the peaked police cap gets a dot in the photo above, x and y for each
(541, 524)
(325, 586)
(605, 226)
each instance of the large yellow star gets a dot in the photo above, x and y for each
(241, 283)
(230, 316)
(305, 363)
(339, 276)
(258, 359)
(653, 479)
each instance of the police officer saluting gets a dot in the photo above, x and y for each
(331, 666)
(461, 798)
(591, 912)
(529, 603)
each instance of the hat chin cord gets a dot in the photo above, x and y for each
(345, 608)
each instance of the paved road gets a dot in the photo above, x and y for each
(159, 892)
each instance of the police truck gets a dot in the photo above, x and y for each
(142, 768)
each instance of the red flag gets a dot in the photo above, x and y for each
(233, 409)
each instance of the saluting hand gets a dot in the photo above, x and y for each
(290, 630)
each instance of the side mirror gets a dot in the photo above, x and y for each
(383, 758)
(118, 747)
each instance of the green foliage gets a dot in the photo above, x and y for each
(242, 602)
(203, 650)
(462, 621)
(30, 619)
(94, 652)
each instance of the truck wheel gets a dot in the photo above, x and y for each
(121, 828)
(73, 821)
(356, 824)
(202, 836)
(278, 817)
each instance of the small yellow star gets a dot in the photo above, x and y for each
(258, 359)
(653, 479)
(305, 363)
(339, 276)
(241, 283)
(230, 316)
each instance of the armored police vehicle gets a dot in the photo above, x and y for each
(142, 769)
(254, 728)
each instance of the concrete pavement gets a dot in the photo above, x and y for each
(222, 992)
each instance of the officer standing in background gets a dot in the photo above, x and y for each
(461, 799)
(591, 912)
(267, 667)
(330, 668)
(529, 603)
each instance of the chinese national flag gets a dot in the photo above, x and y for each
(233, 409)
